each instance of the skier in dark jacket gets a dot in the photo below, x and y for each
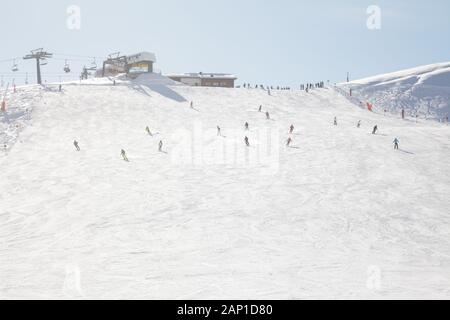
(75, 143)
(124, 155)
(291, 131)
(396, 144)
(289, 141)
(160, 146)
(267, 115)
(247, 126)
(375, 129)
(247, 142)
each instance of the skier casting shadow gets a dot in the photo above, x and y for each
(192, 107)
(124, 155)
(375, 130)
(247, 142)
(160, 147)
(77, 146)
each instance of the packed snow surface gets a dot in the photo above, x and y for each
(338, 215)
(422, 91)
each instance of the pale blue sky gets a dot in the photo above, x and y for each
(284, 42)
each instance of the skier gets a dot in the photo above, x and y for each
(149, 132)
(335, 121)
(291, 131)
(396, 144)
(114, 83)
(60, 88)
(375, 129)
(160, 146)
(267, 115)
(247, 142)
(247, 126)
(192, 104)
(75, 143)
(359, 124)
(124, 155)
(289, 141)
(219, 131)
(260, 108)
(403, 114)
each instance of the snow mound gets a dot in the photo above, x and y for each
(422, 91)
(150, 79)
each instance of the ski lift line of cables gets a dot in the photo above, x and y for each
(72, 60)
(78, 56)
(9, 60)
(12, 75)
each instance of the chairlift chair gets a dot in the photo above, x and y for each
(66, 67)
(15, 68)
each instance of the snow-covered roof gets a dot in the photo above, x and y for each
(202, 75)
(143, 56)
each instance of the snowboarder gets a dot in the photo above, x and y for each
(396, 144)
(291, 131)
(247, 142)
(160, 146)
(124, 155)
(289, 141)
(267, 115)
(77, 146)
(335, 121)
(149, 132)
(247, 126)
(375, 129)
(359, 124)
(219, 131)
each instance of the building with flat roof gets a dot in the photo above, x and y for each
(132, 64)
(205, 79)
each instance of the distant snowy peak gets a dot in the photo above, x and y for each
(422, 91)
(434, 74)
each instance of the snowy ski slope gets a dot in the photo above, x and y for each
(339, 215)
(424, 91)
